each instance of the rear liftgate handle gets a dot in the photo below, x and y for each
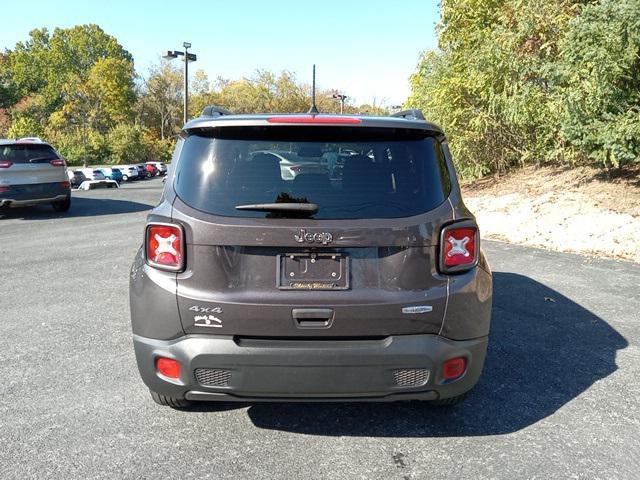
(312, 317)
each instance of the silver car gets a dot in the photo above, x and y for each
(292, 164)
(32, 172)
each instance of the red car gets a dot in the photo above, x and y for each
(152, 169)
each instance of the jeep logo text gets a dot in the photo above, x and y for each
(322, 237)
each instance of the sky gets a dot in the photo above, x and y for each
(366, 49)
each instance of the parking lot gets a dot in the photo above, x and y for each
(559, 397)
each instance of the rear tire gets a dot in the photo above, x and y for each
(448, 402)
(125, 178)
(169, 401)
(62, 205)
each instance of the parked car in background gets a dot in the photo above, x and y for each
(142, 171)
(93, 174)
(112, 173)
(76, 177)
(151, 169)
(161, 166)
(129, 172)
(292, 165)
(32, 172)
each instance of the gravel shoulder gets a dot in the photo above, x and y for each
(568, 210)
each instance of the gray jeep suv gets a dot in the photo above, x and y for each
(364, 284)
(31, 173)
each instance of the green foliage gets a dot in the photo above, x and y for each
(601, 82)
(127, 144)
(270, 92)
(160, 105)
(76, 87)
(25, 127)
(519, 81)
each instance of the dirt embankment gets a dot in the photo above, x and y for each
(579, 210)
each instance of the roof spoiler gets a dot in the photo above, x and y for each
(215, 111)
(411, 114)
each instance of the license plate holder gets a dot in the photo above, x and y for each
(313, 271)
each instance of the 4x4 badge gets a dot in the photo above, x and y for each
(321, 237)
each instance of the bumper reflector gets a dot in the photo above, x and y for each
(454, 368)
(168, 367)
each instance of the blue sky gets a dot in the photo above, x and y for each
(365, 48)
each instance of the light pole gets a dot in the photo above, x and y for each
(188, 57)
(342, 99)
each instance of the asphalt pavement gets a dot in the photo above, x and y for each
(559, 397)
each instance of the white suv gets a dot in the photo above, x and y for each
(32, 172)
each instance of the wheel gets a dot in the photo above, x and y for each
(169, 401)
(125, 178)
(449, 402)
(62, 205)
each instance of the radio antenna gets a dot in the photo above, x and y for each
(313, 109)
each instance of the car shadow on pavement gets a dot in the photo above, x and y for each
(80, 207)
(544, 351)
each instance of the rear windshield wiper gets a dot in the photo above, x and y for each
(306, 208)
(41, 159)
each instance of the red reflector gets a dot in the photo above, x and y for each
(164, 246)
(58, 162)
(314, 119)
(5, 163)
(459, 246)
(168, 367)
(454, 368)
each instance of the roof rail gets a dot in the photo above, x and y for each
(214, 111)
(411, 114)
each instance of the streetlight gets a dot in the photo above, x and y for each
(342, 99)
(188, 57)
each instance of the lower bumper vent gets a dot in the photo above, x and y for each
(213, 377)
(416, 377)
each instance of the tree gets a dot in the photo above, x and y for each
(492, 86)
(160, 104)
(46, 63)
(600, 82)
(25, 127)
(73, 87)
(127, 144)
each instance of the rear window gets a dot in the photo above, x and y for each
(27, 153)
(350, 173)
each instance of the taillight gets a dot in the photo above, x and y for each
(454, 368)
(65, 184)
(296, 168)
(164, 247)
(4, 188)
(5, 163)
(57, 162)
(168, 367)
(459, 248)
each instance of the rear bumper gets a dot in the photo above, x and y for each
(32, 194)
(26, 195)
(403, 367)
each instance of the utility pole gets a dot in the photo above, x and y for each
(342, 98)
(188, 57)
